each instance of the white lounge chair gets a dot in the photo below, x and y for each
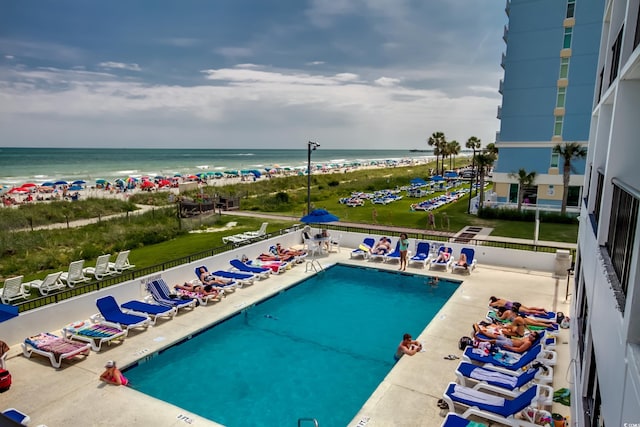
(121, 264)
(261, 232)
(95, 334)
(101, 269)
(75, 274)
(50, 283)
(364, 249)
(55, 348)
(442, 263)
(14, 290)
(423, 254)
(469, 253)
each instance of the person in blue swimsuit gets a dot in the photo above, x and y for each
(407, 346)
(404, 248)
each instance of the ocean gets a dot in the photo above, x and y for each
(37, 165)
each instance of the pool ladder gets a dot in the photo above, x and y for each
(311, 265)
(313, 420)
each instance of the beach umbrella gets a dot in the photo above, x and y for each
(75, 187)
(164, 183)
(47, 184)
(318, 216)
(28, 185)
(78, 182)
(218, 174)
(147, 184)
(19, 190)
(61, 182)
(101, 181)
(176, 175)
(418, 181)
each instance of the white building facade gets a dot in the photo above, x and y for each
(605, 339)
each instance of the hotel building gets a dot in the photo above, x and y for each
(605, 335)
(547, 91)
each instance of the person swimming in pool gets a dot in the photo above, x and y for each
(407, 346)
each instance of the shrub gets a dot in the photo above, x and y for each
(508, 214)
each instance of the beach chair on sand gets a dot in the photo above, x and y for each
(101, 269)
(75, 274)
(14, 290)
(53, 347)
(50, 283)
(121, 264)
(160, 293)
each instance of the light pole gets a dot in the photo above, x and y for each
(311, 146)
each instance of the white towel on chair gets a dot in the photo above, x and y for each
(477, 396)
(485, 375)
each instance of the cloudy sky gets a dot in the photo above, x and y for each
(248, 73)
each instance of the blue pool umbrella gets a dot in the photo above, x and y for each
(318, 216)
(437, 178)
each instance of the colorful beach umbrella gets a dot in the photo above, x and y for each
(101, 181)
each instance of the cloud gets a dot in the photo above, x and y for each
(9, 56)
(234, 52)
(341, 110)
(120, 65)
(315, 63)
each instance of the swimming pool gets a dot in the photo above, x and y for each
(316, 350)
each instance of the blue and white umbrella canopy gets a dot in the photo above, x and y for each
(318, 216)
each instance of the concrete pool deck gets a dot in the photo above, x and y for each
(73, 395)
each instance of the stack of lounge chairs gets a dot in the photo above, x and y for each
(497, 385)
(248, 236)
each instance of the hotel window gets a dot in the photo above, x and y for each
(557, 127)
(564, 68)
(592, 401)
(598, 201)
(621, 236)
(615, 56)
(636, 39)
(513, 193)
(571, 6)
(566, 44)
(555, 160)
(582, 313)
(562, 94)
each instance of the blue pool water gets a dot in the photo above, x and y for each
(317, 350)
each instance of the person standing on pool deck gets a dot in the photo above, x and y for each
(404, 247)
(407, 346)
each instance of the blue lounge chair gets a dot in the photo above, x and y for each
(479, 378)
(364, 248)
(261, 272)
(509, 360)
(154, 311)
(455, 420)
(160, 293)
(469, 253)
(110, 312)
(229, 286)
(241, 278)
(423, 254)
(17, 416)
(395, 255)
(442, 263)
(488, 406)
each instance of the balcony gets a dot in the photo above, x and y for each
(501, 86)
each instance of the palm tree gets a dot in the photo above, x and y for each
(491, 148)
(437, 140)
(524, 180)
(453, 149)
(568, 151)
(484, 160)
(473, 143)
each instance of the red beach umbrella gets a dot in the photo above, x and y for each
(28, 185)
(146, 184)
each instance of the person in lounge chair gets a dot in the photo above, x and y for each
(204, 290)
(208, 279)
(443, 256)
(518, 345)
(382, 247)
(112, 374)
(407, 346)
(500, 302)
(289, 252)
(462, 261)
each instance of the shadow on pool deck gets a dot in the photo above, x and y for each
(408, 395)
